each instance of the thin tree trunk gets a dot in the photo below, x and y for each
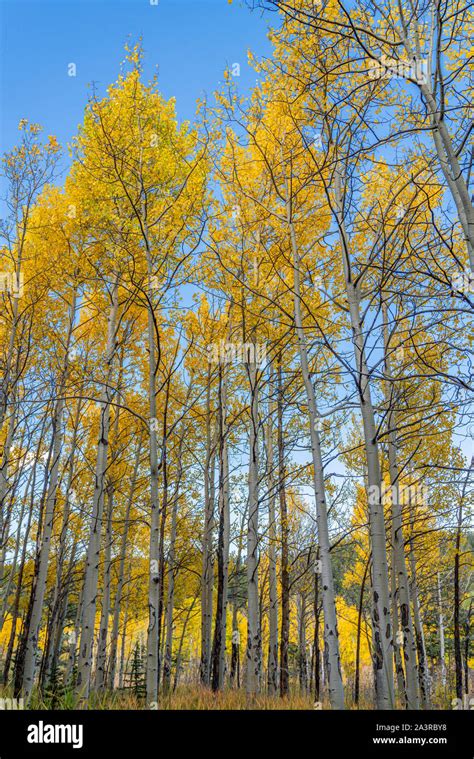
(40, 580)
(100, 674)
(285, 575)
(419, 632)
(19, 584)
(442, 654)
(457, 605)
(207, 575)
(399, 671)
(220, 630)
(154, 583)
(452, 171)
(467, 641)
(50, 653)
(4, 488)
(172, 574)
(383, 644)
(316, 658)
(62, 608)
(164, 517)
(302, 662)
(101, 666)
(91, 575)
(16, 554)
(331, 637)
(121, 573)
(70, 675)
(253, 625)
(123, 639)
(272, 559)
(400, 588)
(235, 654)
(359, 631)
(26, 617)
(181, 642)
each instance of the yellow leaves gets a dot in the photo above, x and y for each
(53, 145)
(6, 629)
(34, 129)
(134, 54)
(347, 628)
(163, 166)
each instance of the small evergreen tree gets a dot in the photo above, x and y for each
(137, 671)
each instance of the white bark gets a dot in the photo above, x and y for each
(4, 488)
(402, 592)
(121, 574)
(172, 569)
(91, 575)
(100, 674)
(152, 667)
(272, 559)
(423, 673)
(381, 596)
(331, 637)
(57, 601)
(43, 562)
(220, 631)
(207, 574)
(253, 616)
(442, 653)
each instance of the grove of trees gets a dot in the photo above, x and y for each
(236, 418)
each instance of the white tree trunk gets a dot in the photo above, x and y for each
(381, 596)
(442, 653)
(331, 637)
(39, 591)
(121, 574)
(402, 591)
(100, 674)
(152, 666)
(172, 569)
(272, 550)
(91, 576)
(253, 616)
(57, 601)
(220, 630)
(207, 574)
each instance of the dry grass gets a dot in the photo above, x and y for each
(197, 698)
(202, 698)
(185, 698)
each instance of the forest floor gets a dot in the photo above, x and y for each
(191, 698)
(184, 698)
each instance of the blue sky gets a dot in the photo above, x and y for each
(191, 41)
